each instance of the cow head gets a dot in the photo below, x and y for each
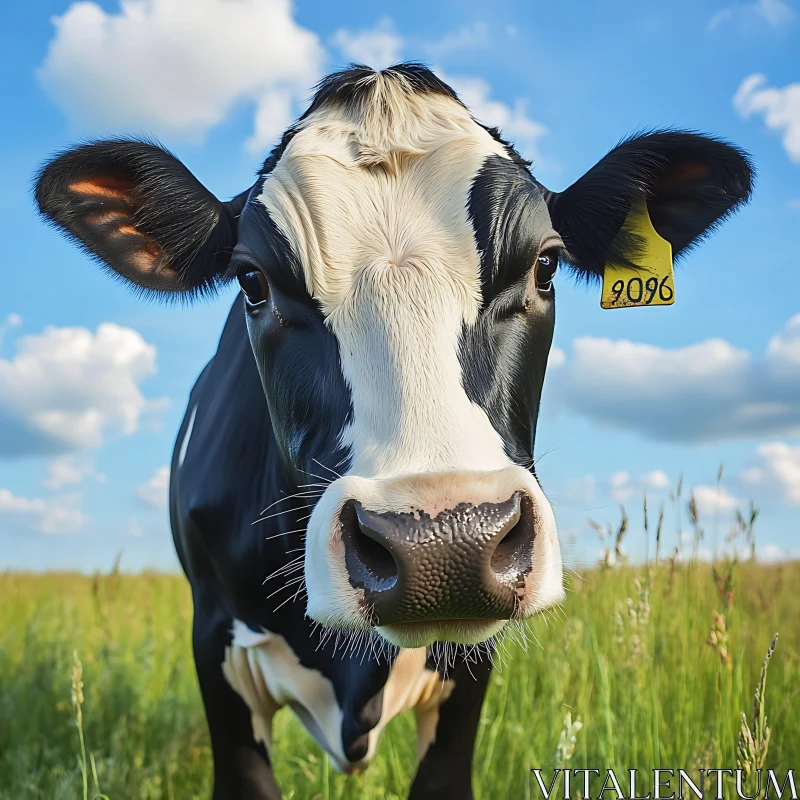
(399, 264)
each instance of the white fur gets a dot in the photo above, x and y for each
(263, 669)
(334, 603)
(374, 203)
(186, 436)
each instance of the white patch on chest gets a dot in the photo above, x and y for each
(264, 671)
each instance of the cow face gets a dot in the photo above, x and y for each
(398, 262)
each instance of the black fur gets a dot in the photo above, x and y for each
(234, 467)
(264, 426)
(511, 151)
(155, 193)
(691, 184)
(511, 221)
(352, 85)
(504, 355)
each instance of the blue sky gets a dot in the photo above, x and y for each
(93, 381)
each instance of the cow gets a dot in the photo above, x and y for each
(373, 401)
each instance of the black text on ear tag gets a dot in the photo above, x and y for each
(652, 282)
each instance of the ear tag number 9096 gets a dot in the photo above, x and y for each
(652, 282)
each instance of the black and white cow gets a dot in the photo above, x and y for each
(397, 264)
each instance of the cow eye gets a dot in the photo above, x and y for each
(546, 266)
(254, 285)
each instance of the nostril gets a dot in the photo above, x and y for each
(513, 553)
(375, 557)
(369, 563)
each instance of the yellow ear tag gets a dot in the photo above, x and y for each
(653, 283)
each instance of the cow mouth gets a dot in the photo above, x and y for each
(422, 634)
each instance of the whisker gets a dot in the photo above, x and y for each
(295, 562)
(289, 599)
(328, 468)
(285, 571)
(276, 535)
(284, 586)
(328, 481)
(288, 497)
(279, 513)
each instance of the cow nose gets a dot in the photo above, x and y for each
(468, 562)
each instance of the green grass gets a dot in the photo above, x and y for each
(649, 690)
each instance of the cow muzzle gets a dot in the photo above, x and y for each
(432, 556)
(467, 564)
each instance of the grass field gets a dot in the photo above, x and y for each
(638, 671)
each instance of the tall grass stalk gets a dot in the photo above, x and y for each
(647, 690)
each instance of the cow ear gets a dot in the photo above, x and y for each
(690, 183)
(139, 210)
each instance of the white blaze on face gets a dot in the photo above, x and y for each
(374, 202)
(378, 218)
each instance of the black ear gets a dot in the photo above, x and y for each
(690, 183)
(139, 210)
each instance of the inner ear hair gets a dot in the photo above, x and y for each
(104, 210)
(141, 212)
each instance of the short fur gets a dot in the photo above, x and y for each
(684, 206)
(140, 185)
(399, 362)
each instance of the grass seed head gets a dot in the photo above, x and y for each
(718, 639)
(567, 740)
(753, 743)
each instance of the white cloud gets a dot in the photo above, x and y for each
(713, 501)
(773, 12)
(153, 492)
(382, 45)
(766, 554)
(772, 554)
(174, 67)
(68, 470)
(702, 392)
(783, 351)
(720, 17)
(177, 68)
(467, 37)
(776, 12)
(66, 386)
(9, 323)
(52, 515)
(556, 358)
(795, 204)
(777, 469)
(779, 107)
(655, 479)
(621, 486)
(378, 47)
(704, 554)
(513, 121)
